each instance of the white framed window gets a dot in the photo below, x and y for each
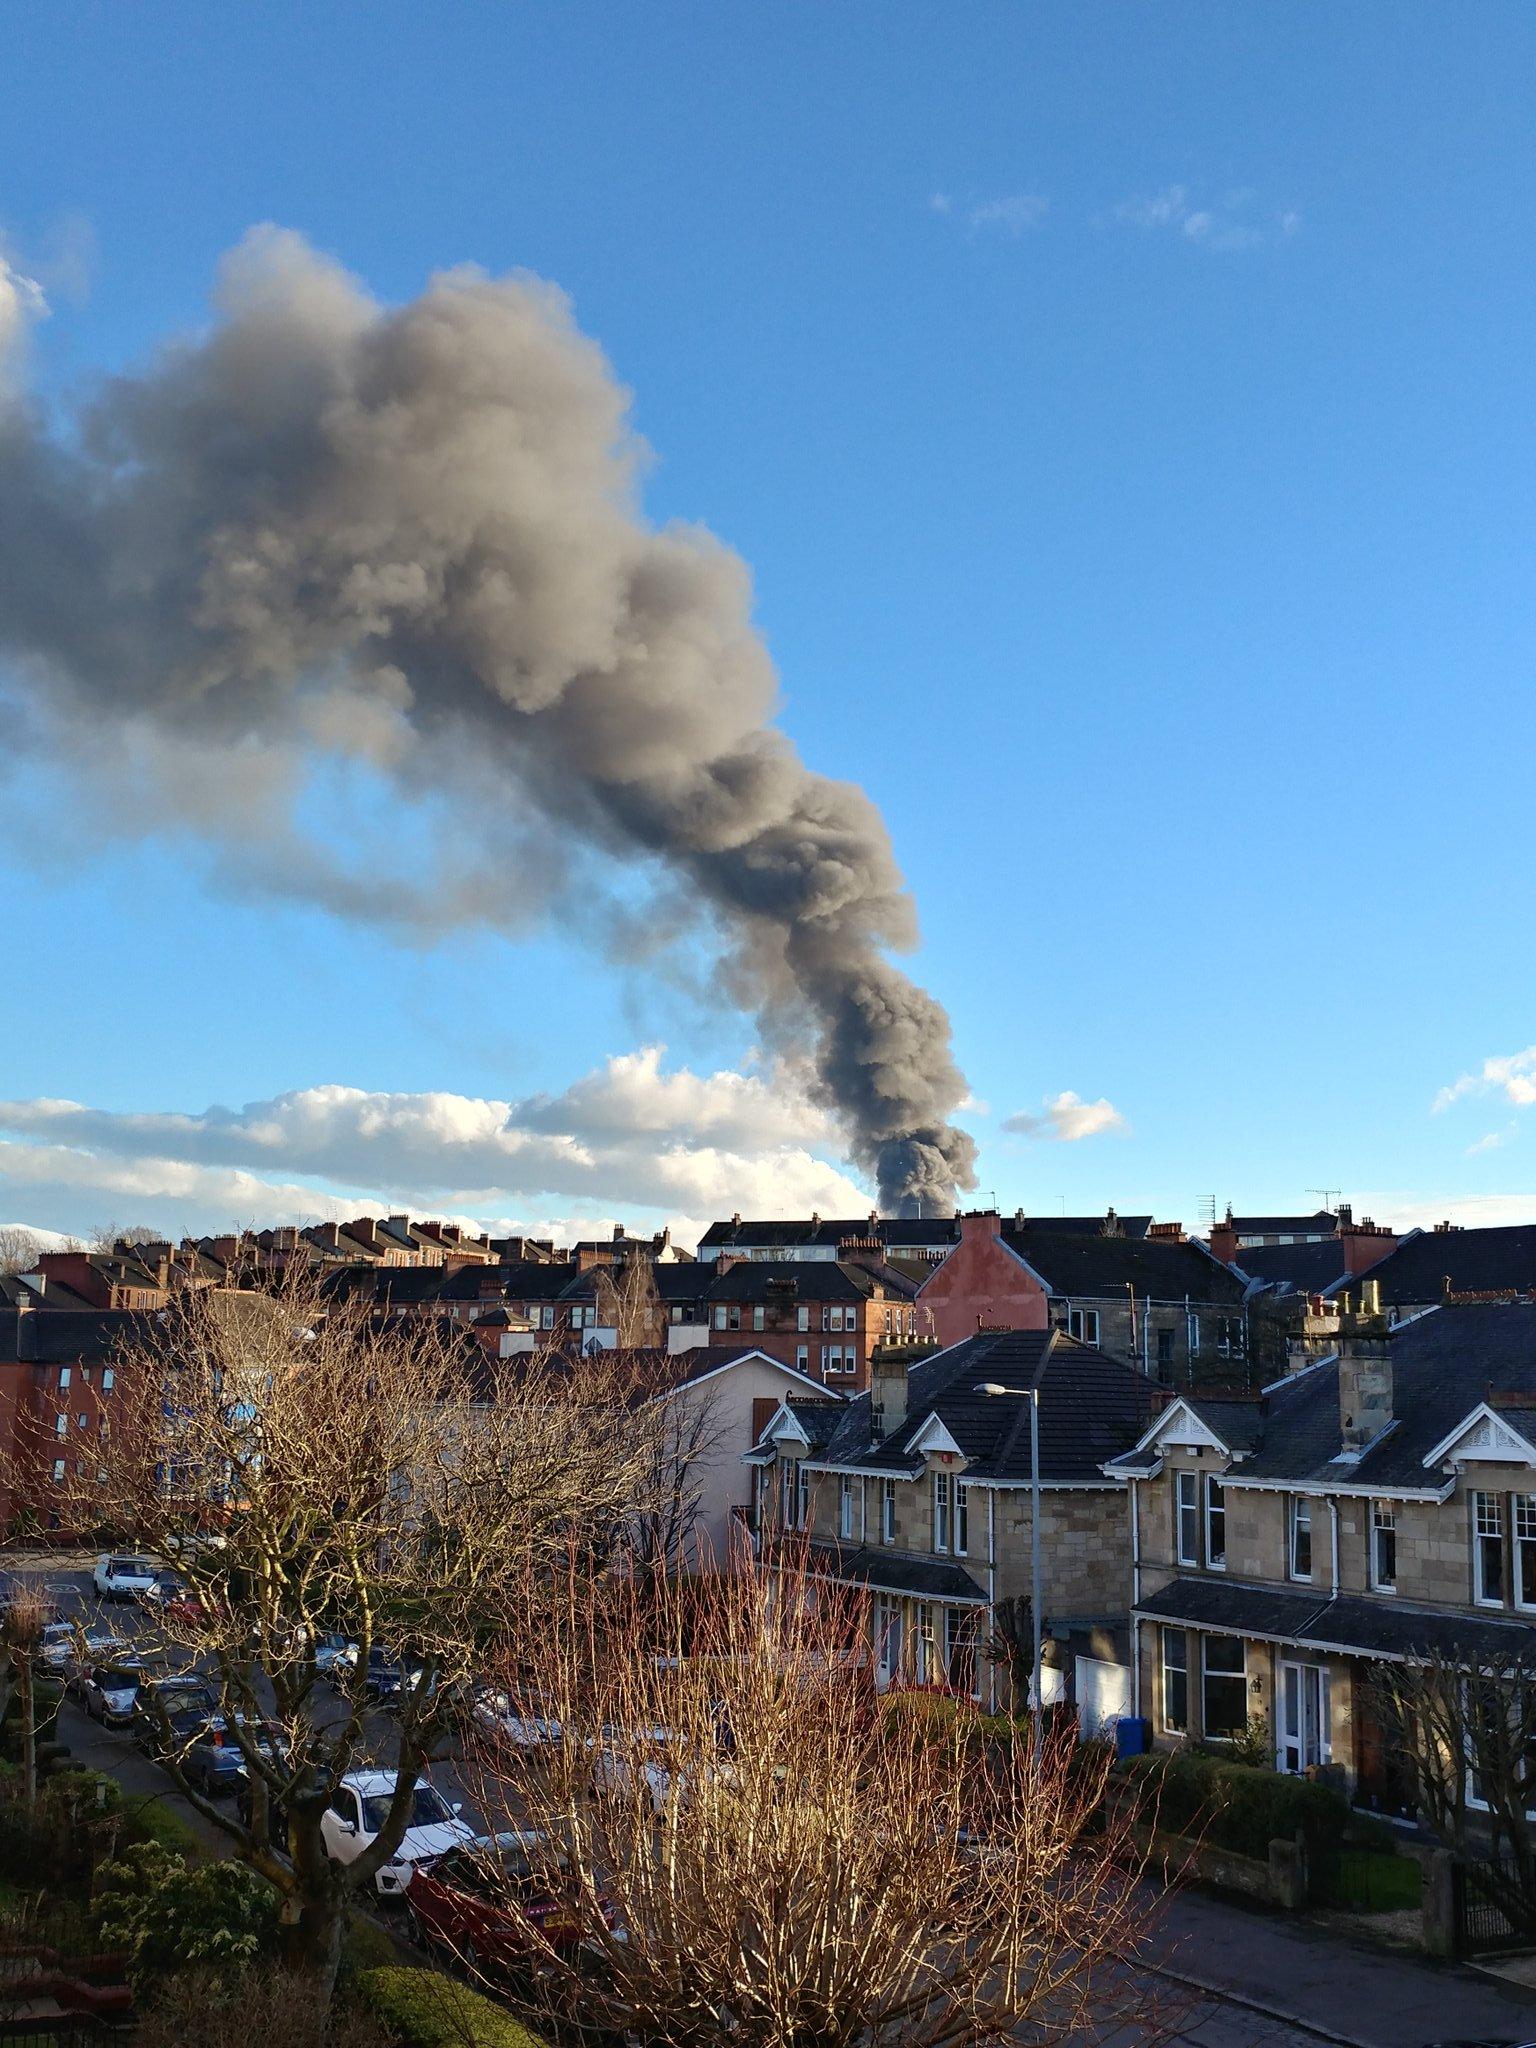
(547, 1316)
(962, 1520)
(1083, 1323)
(887, 1511)
(1187, 1516)
(1383, 1547)
(802, 1495)
(888, 1635)
(802, 1317)
(82, 1420)
(1525, 1550)
(59, 1467)
(960, 1668)
(1194, 1336)
(787, 1495)
(1299, 1543)
(1224, 1687)
(733, 1315)
(65, 1376)
(845, 1506)
(61, 1424)
(926, 1663)
(941, 1511)
(803, 1357)
(1215, 1523)
(826, 1317)
(757, 1318)
(1175, 1701)
(108, 1379)
(1488, 1549)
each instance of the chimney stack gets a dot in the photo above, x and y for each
(1365, 1373)
(887, 1393)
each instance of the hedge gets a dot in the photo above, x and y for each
(426, 2009)
(1236, 1806)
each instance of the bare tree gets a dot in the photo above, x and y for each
(21, 1628)
(19, 1248)
(1466, 1727)
(311, 1467)
(107, 1237)
(630, 1301)
(756, 1852)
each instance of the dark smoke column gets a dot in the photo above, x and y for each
(414, 535)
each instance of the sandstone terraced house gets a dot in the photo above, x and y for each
(1379, 1501)
(919, 1492)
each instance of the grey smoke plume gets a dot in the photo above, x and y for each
(414, 535)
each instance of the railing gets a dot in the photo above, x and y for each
(1493, 1909)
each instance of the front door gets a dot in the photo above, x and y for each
(1303, 1730)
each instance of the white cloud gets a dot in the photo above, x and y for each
(1231, 223)
(1412, 1209)
(1066, 1119)
(940, 202)
(1491, 1143)
(629, 1135)
(21, 304)
(1512, 1075)
(1009, 214)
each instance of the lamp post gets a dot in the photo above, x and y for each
(1032, 1395)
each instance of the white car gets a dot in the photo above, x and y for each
(356, 1815)
(110, 1692)
(121, 1576)
(499, 1714)
(55, 1645)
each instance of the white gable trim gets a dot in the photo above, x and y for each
(933, 1436)
(1179, 1425)
(790, 1372)
(1485, 1437)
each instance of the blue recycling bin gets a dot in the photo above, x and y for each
(1133, 1735)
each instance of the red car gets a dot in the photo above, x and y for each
(484, 1902)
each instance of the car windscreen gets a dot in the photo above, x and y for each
(117, 1678)
(428, 1810)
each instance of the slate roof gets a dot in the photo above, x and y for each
(790, 1280)
(1090, 1408)
(1306, 1268)
(1097, 1267)
(895, 1571)
(1353, 1623)
(807, 1233)
(1497, 1260)
(1321, 1220)
(1444, 1364)
(70, 1336)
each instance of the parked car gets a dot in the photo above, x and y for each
(387, 1676)
(358, 1811)
(54, 1646)
(335, 1654)
(490, 1902)
(215, 1761)
(517, 1721)
(121, 1576)
(84, 1649)
(111, 1691)
(184, 1703)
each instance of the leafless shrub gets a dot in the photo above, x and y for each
(261, 2009)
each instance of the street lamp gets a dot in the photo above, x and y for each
(1032, 1395)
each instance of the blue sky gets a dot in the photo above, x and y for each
(1127, 416)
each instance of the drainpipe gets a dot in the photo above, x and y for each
(992, 1591)
(1333, 1510)
(1135, 1598)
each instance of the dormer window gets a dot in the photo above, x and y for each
(1488, 1549)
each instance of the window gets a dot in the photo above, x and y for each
(1194, 1336)
(1384, 1548)
(108, 1379)
(786, 1495)
(1488, 1549)
(733, 1316)
(960, 1650)
(1188, 1531)
(1083, 1323)
(888, 1635)
(1175, 1681)
(547, 1316)
(926, 1670)
(941, 1511)
(803, 1357)
(59, 1465)
(887, 1511)
(962, 1520)
(1525, 1549)
(802, 1496)
(61, 1425)
(1224, 1695)
(845, 1507)
(720, 1318)
(802, 1317)
(82, 1420)
(64, 1379)
(826, 1317)
(757, 1319)
(1164, 1353)
(1300, 1552)
(1215, 1523)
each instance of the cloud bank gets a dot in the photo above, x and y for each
(1512, 1075)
